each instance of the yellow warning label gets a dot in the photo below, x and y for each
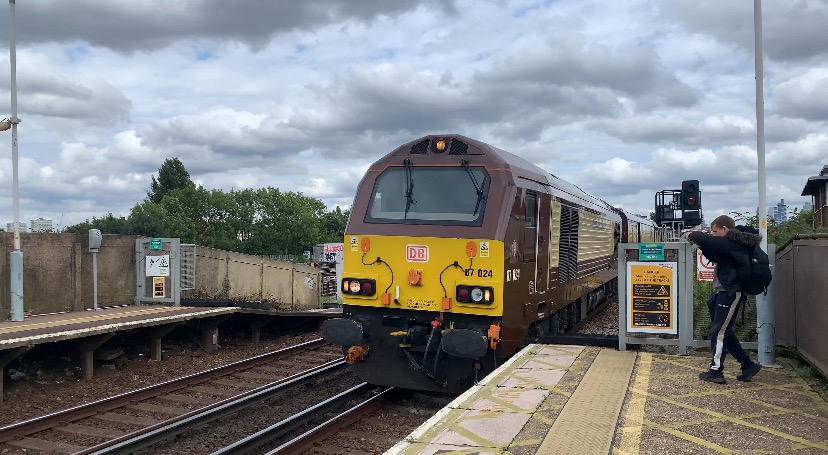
(651, 303)
(484, 249)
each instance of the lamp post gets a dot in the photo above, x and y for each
(765, 311)
(16, 256)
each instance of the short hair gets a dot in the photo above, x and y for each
(724, 221)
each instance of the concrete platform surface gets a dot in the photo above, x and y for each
(560, 399)
(64, 326)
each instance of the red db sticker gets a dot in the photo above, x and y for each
(416, 253)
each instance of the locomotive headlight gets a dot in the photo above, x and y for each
(477, 294)
(365, 287)
(474, 294)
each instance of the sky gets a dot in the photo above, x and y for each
(623, 98)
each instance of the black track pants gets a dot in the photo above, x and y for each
(723, 309)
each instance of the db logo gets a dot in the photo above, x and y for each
(416, 253)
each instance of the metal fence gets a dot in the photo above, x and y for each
(801, 297)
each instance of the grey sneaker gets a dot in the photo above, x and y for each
(713, 376)
(749, 371)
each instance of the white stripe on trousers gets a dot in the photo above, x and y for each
(717, 356)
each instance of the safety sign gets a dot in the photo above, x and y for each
(704, 268)
(651, 297)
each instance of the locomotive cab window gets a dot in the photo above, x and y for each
(450, 195)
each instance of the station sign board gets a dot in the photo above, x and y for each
(651, 252)
(651, 297)
(159, 286)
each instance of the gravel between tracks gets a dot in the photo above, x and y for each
(605, 322)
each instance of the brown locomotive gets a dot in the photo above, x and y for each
(458, 253)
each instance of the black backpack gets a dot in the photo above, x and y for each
(757, 277)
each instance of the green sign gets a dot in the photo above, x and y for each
(651, 252)
(156, 244)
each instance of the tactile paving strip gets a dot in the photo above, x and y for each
(588, 420)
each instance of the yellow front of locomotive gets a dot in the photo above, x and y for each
(460, 276)
(421, 312)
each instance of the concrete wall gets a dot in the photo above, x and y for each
(225, 275)
(57, 272)
(57, 275)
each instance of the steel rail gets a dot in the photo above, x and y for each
(58, 418)
(278, 430)
(146, 437)
(327, 429)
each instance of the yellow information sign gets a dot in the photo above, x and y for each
(159, 286)
(651, 297)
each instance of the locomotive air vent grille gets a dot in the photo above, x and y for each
(419, 148)
(458, 147)
(568, 246)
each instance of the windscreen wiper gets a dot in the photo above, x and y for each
(409, 186)
(477, 187)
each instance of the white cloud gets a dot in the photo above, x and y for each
(804, 96)
(623, 98)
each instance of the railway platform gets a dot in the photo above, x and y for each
(563, 399)
(89, 330)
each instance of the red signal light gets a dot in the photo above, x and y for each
(691, 201)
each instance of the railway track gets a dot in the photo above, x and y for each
(99, 423)
(148, 437)
(363, 419)
(367, 402)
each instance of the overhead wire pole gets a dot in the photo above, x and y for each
(16, 256)
(765, 318)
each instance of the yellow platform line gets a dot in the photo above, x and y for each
(723, 417)
(634, 417)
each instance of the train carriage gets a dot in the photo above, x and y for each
(457, 254)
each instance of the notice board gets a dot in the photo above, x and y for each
(651, 297)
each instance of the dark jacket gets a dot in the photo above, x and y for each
(731, 253)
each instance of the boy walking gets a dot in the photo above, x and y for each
(729, 248)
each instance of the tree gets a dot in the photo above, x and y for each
(147, 219)
(801, 222)
(334, 224)
(266, 221)
(746, 219)
(107, 224)
(172, 175)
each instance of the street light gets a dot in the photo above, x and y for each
(16, 256)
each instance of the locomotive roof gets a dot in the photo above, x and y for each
(493, 158)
